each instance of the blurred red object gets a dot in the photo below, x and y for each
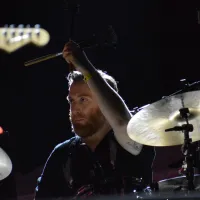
(1, 130)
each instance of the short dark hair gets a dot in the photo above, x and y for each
(76, 76)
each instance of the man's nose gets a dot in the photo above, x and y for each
(76, 109)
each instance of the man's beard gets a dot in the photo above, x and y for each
(91, 125)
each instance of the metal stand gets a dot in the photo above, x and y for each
(186, 148)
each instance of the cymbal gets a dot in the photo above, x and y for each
(177, 183)
(149, 124)
(5, 165)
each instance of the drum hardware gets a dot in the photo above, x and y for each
(187, 151)
(166, 123)
(186, 87)
(149, 124)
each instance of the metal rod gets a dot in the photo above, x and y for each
(43, 58)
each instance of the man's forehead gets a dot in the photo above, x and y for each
(79, 88)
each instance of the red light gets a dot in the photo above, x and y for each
(1, 130)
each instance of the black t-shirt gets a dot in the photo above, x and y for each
(109, 169)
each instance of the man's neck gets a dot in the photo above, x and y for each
(93, 141)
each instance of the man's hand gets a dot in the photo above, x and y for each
(75, 56)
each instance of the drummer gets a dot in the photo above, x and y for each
(101, 158)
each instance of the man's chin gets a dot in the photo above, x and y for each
(82, 132)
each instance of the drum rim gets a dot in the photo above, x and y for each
(175, 178)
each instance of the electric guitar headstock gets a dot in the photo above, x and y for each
(12, 38)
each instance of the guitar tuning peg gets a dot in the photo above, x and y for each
(20, 26)
(29, 31)
(37, 26)
(5, 33)
(37, 31)
(12, 31)
(12, 26)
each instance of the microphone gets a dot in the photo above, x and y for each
(108, 38)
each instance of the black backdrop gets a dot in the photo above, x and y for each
(158, 44)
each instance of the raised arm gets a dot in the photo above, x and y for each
(111, 104)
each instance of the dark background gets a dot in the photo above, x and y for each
(158, 44)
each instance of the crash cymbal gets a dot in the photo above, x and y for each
(149, 124)
(5, 164)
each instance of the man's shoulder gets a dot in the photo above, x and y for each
(66, 144)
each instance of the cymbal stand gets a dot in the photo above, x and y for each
(186, 148)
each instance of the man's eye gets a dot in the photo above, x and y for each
(82, 99)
